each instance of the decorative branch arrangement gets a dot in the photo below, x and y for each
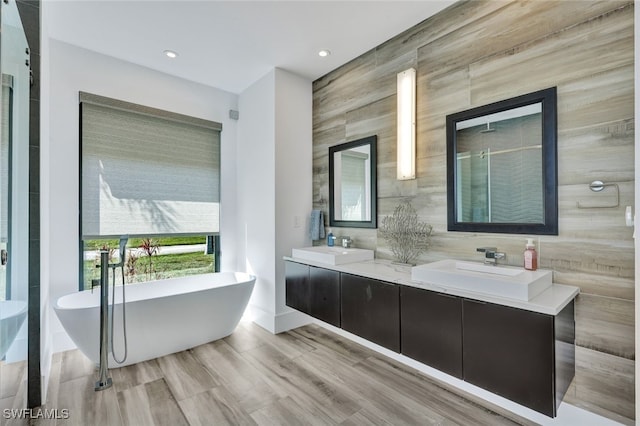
(407, 237)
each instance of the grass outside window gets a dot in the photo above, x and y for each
(148, 259)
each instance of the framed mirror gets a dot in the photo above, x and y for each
(352, 184)
(502, 166)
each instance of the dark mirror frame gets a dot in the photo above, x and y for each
(373, 223)
(548, 98)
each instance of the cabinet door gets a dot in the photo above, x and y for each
(324, 301)
(371, 309)
(297, 289)
(510, 352)
(431, 329)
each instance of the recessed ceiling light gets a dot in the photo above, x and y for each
(170, 54)
(324, 53)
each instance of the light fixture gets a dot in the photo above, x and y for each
(171, 54)
(324, 53)
(406, 141)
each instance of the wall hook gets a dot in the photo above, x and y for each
(597, 186)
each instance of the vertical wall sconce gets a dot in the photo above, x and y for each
(407, 124)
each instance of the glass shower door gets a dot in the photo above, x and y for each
(14, 206)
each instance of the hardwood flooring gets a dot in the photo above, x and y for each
(307, 376)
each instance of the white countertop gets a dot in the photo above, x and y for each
(549, 302)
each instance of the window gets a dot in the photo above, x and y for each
(150, 174)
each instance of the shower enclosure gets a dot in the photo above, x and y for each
(14, 203)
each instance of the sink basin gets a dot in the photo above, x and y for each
(502, 281)
(332, 255)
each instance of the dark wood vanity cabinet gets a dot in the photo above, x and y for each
(314, 291)
(431, 329)
(524, 356)
(371, 309)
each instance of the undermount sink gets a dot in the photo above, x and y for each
(502, 281)
(332, 255)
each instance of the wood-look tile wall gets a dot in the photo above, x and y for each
(478, 52)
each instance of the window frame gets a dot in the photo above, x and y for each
(140, 109)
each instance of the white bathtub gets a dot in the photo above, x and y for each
(12, 315)
(163, 316)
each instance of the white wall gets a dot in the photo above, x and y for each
(72, 69)
(256, 194)
(274, 188)
(294, 177)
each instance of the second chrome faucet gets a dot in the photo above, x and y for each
(491, 254)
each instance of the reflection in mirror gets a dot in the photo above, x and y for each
(501, 166)
(498, 164)
(353, 169)
(14, 202)
(352, 184)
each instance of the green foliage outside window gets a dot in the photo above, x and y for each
(145, 260)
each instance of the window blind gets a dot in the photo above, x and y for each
(147, 171)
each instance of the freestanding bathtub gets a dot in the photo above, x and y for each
(162, 317)
(12, 315)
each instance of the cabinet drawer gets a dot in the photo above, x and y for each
(431, 329)
(371, 309)
(324, 301)
(297, 289)
(510, 352)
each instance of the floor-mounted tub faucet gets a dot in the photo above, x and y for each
(104, 381)
(491, 255)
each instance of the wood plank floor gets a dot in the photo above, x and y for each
(307, 376)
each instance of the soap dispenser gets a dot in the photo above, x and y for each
(330, 238)
(530, 256)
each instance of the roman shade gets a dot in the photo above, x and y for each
(146, 171)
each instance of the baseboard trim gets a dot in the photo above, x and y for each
(277, 323)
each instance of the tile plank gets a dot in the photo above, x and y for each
(185, 375)
(237, 376)
(214, 407)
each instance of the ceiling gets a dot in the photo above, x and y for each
(231, 44)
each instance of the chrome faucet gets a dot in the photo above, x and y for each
(346, 242)
(491, 255)
(104, 381)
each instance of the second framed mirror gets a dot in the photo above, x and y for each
(352, 184)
